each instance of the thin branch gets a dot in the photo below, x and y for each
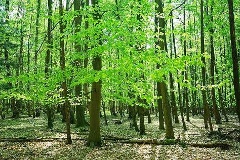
(177, 7)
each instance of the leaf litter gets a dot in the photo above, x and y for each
(57, 149)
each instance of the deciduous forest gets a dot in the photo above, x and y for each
(119, 79)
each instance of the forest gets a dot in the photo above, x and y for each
(119, 79)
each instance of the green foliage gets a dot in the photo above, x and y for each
(125, 42)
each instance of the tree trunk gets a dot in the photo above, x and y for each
(166, 111)
(207, 118)
(141, 118)
(185, 74)
(36, 36)
(134, 118)
(47, 60)
(179, 88)
(80, 110)
(149, 116)
(6, 50)
(94, 138)
(213, 94)
(16, 104)
(104, 114)
(64, 83)
(234, 58)
(163, 86)
(160, 109)
(50, 116)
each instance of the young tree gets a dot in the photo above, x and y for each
(6, 48)
(47, 60)
(207, 117)
(36, 36)
(212, 71)
(64, 83)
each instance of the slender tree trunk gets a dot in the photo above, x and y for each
(47, 61)
(29, 106)
(166, 111)
(149, 116)
(141, 110)
(159, 100)
(179, 87)
(234, 58)
(141, 117)
(171, 80)
(215, 107)
(64, 83)
(134, 118)
(6, 49)
(85, 64)
(185, 74)
(207, 118)
(220, 94)
(20, 58)
(104, 114)
(36, 36)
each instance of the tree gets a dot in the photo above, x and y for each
(80, 115)
(158, 41)
(64, 83)
(47, 60)
(212, 72)
(36, 36)
(235, 68)
(207, 118)
(162, 88)
(6, 47)
(94, 138)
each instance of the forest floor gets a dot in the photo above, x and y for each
(28, 138)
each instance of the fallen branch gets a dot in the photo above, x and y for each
(112, 138)
(152, 141)
(35, 139)
(223, 146)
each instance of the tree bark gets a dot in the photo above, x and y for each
(213, 94)
(141, 123)
(163, 87)
(80, 110)
(234, 58)
(207, 118)
(94, 138)
(160, 109)
(36, 36)
(47, 61)
(185, 74)
(64, 83)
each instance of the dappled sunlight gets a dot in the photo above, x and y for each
(55, 147)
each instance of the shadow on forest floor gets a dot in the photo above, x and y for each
(35, 141)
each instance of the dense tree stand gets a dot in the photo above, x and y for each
(128, 74)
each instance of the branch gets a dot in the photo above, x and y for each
(223, 146)
(46, 37)
(177, 7)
